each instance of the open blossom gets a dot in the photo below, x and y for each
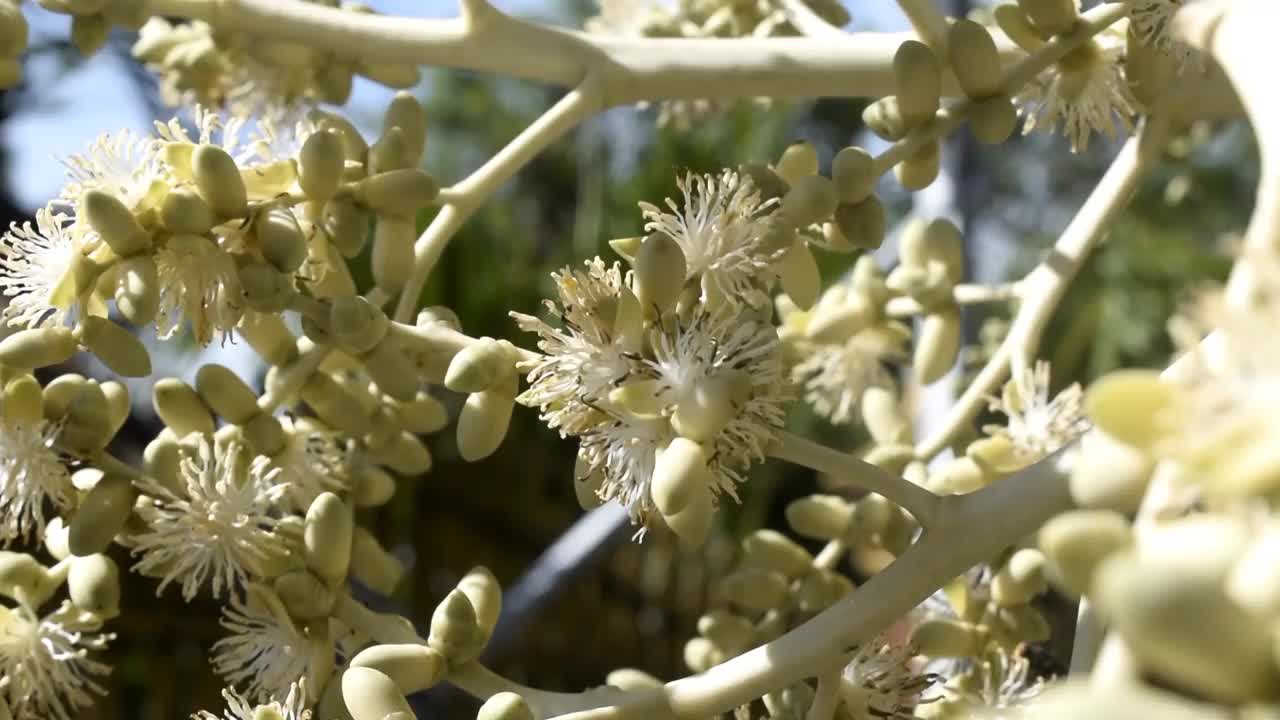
(1038, 425)
(835, 375)
(1085, 92)
(37, 270)
(46, 661)
(723, 227)
(293, 707)
(31, 474)
(314, 460)
(198, 285)
(124, 164)
(878, 683)
(217, 531)
(999, 686)
(265, 653)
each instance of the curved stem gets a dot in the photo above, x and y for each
(826, 699)
(930, 24)
(922, 504)
(905, 306)
(808, 22)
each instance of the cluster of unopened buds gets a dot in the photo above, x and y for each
(673, 368)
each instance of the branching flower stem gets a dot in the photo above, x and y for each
(929, 22)
(905, 306)
(922, 504)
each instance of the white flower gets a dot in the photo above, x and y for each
(46, 662)
(878, 682)
(1086, 92)
(583, 360)
(219, 529)
(1038, 426)
(293, 707)
(199, 285)
(265, 653)
(30, 474)
(126, 165)
(835, 375)
(998, 687)
(37, 270)
(314, 460)
(723, 227)
(268, 140)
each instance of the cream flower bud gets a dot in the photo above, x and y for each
(226, 394)
(59, 393)
(390, 152)
(861, 224)
(370, 695)
(919, 82)
(304, 595)
(700, 654)
(320, 164)
(993, 119)
(20, 573)
(116, 347)
(959, 477)
(424, 414)
(885, 118)
(766, 180)
(709, 405)
(921, 168)
(479, 365)
(730, 632)
(482, 589)
(23, 400)
(938, 346)
(692, 525)
(37, 347)
(357, 324)
(327, 537)
(660, 271)
(89, 33)
(506, 706)
(55, 539)
(631, 679)
(374, 487)
(94, 585)
(483, 422)
(1109, 475)
(1020, 579)
(822, 517)
(101, 515)
(946, 637)
(412, 667)
(853, 171)
(265, 288)
(1132, 406)
(1015, 23)
(755, 589)
(114, 223)
(406, 113)
(162, 460)
(180, 408)
(392, 260)
(679, 474)
(811, 199)
(372, 565)
(771, 550)
(587, 482)
(391, 370)
(821, 589)
(14, 33)
(1055, 17)
(399, 193)
(137, 289)
(800, 159)
(183, 211)
(334, 405)
(995, 455)
(882, 414)
(1075, 542)
(974, 59)
(347, 224)
(87, 425)
(455, 632)
(218, 181)
(280, 239)
(799, 274)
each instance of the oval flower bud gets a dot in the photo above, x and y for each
(853, 171)
(337, 407)
(374, 487)
(993, 119)
(799, 275)
(405, 454)
(862, 224)
(93, 582)
(327, 537)
(946, 637)
(406, 113)
(1054, 17)
(320, 163)
(482, 589)
(885, 118)
(280, 239)
(399, 193)
(19, 572)
(114, 223)
(218, 181)
(974, 59)
(483, 422)
(822, 517)
(23, 401)
(921, 168)
(631, 679)
(479, 365)
(424, 414)
(86, 425)
(755, 589)
(455, 631)
(390, 152)
(1020, 579)
(798, 160)
(390, 369)
(1076, 542)
(692, 525)
(771, 550)
(679, 473)
(660, 272)
(370, 695)
(116, 347)
(224, 392)
(101, 515)
(392, 259)
(37, 347)
(938, 346)
(183, 211)
(347, 225)
(505, 706)
(882, 414)
(137, 289)
(700, 654)
(14, 32)
(305, 596)
(918, 80)
(811, 199)
(1015, 23)
(180, 408)
(372, 566)
(356, 323)
(412, 667)
(1133, 406)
